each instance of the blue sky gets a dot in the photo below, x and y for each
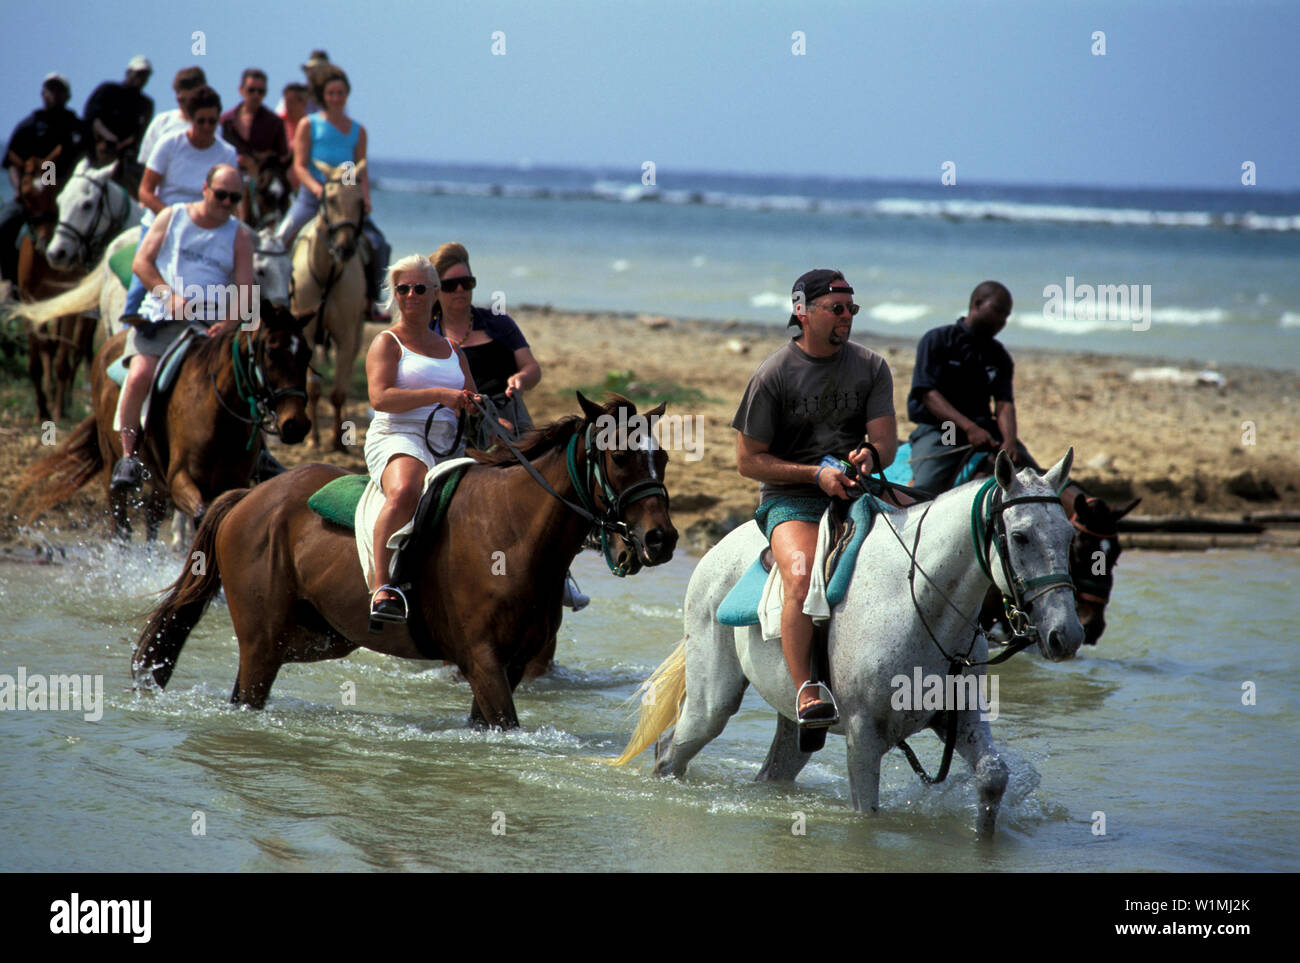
(1010, 92)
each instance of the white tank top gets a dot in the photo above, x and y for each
(192, 255)
(420, 371)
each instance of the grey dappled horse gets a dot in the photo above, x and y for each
(876, 635)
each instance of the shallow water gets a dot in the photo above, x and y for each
(1148, 728)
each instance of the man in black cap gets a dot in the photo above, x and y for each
(819, 395)
(40, 134)
(959, 368)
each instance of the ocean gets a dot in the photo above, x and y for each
(1202, 277)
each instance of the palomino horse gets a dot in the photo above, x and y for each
(908, 612)
(268, 195)
(329, 285)
(228, 391)
(296, 592)
(55, 352)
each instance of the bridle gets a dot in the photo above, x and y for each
(254, 388)
(331, 228)
(588, 481)
(88, 250)
(1097, 590)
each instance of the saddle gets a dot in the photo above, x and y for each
(169, 366)
(120, 264)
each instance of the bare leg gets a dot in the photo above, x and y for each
(402, 483)
(793, 545)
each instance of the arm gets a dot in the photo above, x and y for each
(527, 372)
(143, 266)
(359, 156)
(243, 278)
(940, 407)
(1006, 415)
(302, 157)
(149, 190)
(381, 375)
(753, 460)
(882, 432)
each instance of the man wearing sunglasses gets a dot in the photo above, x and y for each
(959, 369)
(177, 166)
(819, 395)
(250, 128)
(191, 247)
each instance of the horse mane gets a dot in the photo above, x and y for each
(541, 440)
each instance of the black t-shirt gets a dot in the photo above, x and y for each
(492, 363)
(967, 370)
(122, 109)
(43, 130)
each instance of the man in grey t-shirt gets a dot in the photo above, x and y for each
(819, 395)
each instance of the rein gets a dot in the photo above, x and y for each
(610, 521)
(253, 389)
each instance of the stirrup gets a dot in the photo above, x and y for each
(818, 717)
(379, 615)
(573, 596)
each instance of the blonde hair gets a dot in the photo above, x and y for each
(412, 262)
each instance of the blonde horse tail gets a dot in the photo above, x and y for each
(81, 299)
(665, 691)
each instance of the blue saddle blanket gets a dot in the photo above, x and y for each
(740, 607)
(900, 472)
(169, 366)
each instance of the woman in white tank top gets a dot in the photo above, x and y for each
(410, 370)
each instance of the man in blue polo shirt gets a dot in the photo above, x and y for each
(959, 367)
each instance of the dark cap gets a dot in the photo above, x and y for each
(815, 283)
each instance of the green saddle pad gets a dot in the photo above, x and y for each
(336, 501)
(120, 264)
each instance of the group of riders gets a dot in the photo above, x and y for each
(818, 395)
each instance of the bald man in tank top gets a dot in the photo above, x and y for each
(188, 245)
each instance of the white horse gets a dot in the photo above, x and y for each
(93, 209)
(878, 634)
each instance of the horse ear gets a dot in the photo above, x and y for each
(657, 411)
(589, 408)
(1120, 513)
(1059, 474)
(324, 168)
(1004, 471)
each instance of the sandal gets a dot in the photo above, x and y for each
(821, 714)
(387, 610)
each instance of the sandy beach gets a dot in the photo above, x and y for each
(1139, 427)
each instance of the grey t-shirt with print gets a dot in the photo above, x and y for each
(806, 407)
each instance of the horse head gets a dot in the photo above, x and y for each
(37, 194)
(271, 185)
(630, 478)
(1033, 552)
(342, 208)
(82, 204)
(283, 356)
(1093, 555)
(272, 267)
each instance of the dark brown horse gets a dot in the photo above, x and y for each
(207, 440)
(268, 198)
(488, 588)
(54, 351)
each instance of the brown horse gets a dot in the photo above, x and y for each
(488, 587)
(54, 351)
(207, 440)
(329, 285)
(265, 202)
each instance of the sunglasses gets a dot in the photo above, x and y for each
(839, 308)
(227, 197)
(256, 90)
(466, 283)
(405, 289)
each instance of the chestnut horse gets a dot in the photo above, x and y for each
(55, 351)
(329, 285)
(208, 438)
(488, 586)
(268, 195)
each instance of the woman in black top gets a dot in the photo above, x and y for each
(499, 357)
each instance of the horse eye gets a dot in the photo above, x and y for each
(621, 459)
(1020, 538)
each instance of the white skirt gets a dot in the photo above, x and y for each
(386, 439)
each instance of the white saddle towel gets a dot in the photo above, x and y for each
(815, 605)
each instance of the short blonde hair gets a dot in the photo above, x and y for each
(412, 262)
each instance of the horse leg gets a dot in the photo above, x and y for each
(784, 760)
(313, 400)
(866, 749)
(975, 745)
(186, 495)
(155, 510)
(259, 654)
(716, 686)
(65, 359)
(37, 363)
(493, 705)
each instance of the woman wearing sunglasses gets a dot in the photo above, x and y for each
(499, 359)
(176, 171)
(412, 372)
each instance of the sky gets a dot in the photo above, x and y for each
(1009, 92)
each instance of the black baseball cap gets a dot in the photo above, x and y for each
(815, 283)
